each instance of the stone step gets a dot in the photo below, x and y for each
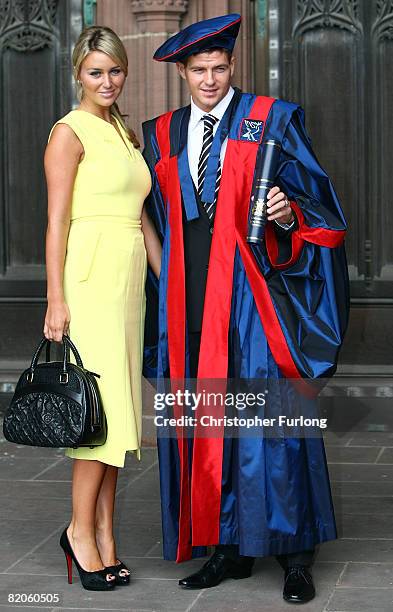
(5, 399)
(10, 371)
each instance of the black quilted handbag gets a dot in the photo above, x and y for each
(56, 403)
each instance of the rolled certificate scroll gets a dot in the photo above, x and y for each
(264, 182)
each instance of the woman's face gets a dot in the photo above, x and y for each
(102, 79)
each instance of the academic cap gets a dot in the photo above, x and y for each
(219, 32)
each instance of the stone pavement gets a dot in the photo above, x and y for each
(352, 574)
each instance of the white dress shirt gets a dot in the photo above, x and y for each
(196, 128)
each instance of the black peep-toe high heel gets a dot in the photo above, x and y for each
(91, 581)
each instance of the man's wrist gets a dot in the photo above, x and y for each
(288, 224)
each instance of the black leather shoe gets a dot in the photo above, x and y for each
(215, 570)
(298, 585)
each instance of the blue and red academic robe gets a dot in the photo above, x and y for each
(278, 312)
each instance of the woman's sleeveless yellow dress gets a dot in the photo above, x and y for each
(104, 277)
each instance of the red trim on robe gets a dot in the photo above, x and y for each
(235, 187)
(304, 233)
(164, 144)
(318, 235)
(176, 309)
(272, 247)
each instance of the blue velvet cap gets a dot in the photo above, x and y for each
(220, 32)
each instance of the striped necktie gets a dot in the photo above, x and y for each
(209, 121)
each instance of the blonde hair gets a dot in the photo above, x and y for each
(101, 38)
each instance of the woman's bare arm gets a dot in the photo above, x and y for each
(152, 243)
(62, 156)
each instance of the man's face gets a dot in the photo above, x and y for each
(208, 77)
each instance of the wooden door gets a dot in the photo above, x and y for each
(36, 37)
(335, 58)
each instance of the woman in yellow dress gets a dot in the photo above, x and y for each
(97, 239)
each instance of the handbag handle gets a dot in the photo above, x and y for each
(48, 352)
(67, 344)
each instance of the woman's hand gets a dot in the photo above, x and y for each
(57, 321)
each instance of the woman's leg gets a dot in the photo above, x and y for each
(104, 519)
(104, 516)
(87, 478)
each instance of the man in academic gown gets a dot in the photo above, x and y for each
(274, 310)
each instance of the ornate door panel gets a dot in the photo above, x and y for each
(335, 58)
(35, 90)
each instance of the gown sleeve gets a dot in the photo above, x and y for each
(305, 182)
(310, 289)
